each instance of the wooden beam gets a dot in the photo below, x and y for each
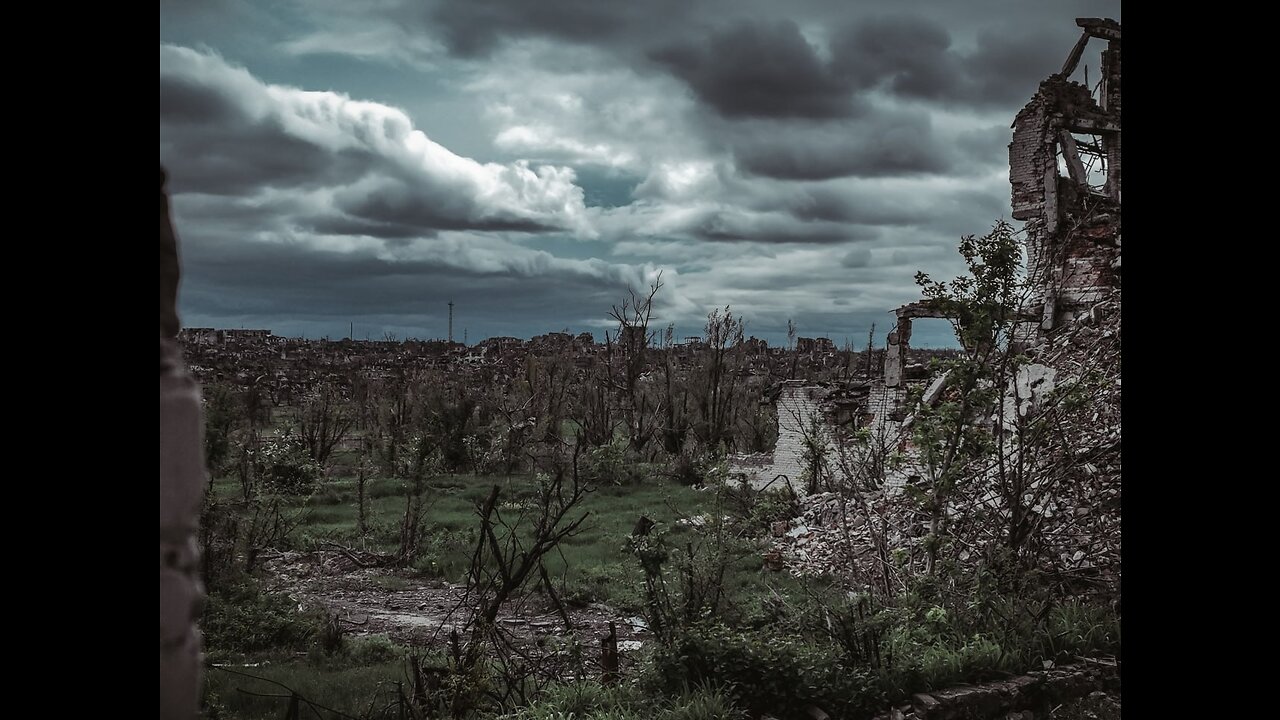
(1074, 58)
(1091, 125)
(1104, 28)
(1075, 168)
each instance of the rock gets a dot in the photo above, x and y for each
(924, 702)
(798, 531)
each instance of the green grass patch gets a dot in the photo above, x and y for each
(237, 692)
(592, 566)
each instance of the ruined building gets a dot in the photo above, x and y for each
(1064, 168)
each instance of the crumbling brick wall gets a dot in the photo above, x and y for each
(796, 404)
(1029, 159)
(1073, 228)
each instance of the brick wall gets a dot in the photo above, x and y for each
(1028, 159)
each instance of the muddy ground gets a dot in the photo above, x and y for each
(421, 613)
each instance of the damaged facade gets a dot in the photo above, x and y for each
(1064, 169)
(810, 413)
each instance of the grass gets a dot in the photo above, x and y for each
(592, 566)
(235, 692)
(596, 566)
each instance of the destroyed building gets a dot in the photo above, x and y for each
(1064, 172)
(1064, 169)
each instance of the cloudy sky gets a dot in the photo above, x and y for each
(336, 162)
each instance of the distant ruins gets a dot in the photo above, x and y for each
(1064, 169)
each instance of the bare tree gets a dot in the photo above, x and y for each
(509, 553)
(632, 344)
(323, 422)
(720, 373)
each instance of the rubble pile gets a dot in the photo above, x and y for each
(832, 534)
(1082, 456)
(1025, 697)
(1069, 508)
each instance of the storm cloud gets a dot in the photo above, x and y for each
(531, 161)
(759, 70)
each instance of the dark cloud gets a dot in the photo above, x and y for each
(295, 288)
(857, 258)
(1007, 67)
(908, 55)
(731, 225)
(797, 160)
(887, 144)
(474, 28)
(985, 146)
(759, 70)
(948, 210)
(914, 57)
(400, 207)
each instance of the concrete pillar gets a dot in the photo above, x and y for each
(182, 484)
(895, 353)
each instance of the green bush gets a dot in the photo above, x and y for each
(610, 583)
(329, 495)
(285, 466)
(590, 700)
(587, 699)
(372, 650)
(765, 673)
(702, 704)
(244, 619)
(1076, 628)
(611, 464)
(772, 506)
(930, 650)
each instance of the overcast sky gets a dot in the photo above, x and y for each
(336, 162)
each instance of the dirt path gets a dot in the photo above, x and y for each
(422, 613)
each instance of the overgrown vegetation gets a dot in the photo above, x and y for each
(607, 484)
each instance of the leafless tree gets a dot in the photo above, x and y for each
(323, 422)
(632, 345)
(720, 373)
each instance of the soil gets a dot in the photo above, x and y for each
(422, 612)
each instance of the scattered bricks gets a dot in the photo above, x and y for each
(773, 560)
(1020, 697)
(924, 704)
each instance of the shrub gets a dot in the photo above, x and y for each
(285, 466)
(244, 619)
(772, 506)
(587, 699)
(373, 650)
(765, 673)
(610, 465)
(1077, 628)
